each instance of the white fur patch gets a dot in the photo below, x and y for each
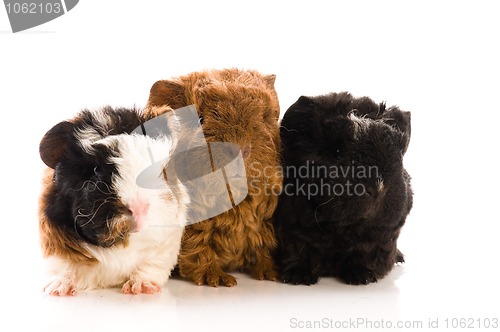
(136, 154)
(102, 118)
(380, 185)
(86, 138)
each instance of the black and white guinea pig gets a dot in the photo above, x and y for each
(346, 194)
(98, 227)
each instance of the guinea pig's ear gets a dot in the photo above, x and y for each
(305, 101)
(168, 92)
(270, 79)
(54, 142)
(402, 121)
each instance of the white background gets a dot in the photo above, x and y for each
(437, 59)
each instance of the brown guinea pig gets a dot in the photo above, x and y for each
(238, 107)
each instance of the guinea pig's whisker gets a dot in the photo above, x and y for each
(82, 186)
(92, 186)
(290, 130)
(91, 214)
(114, 233)
(108, 221)
(320, 205)
(105, 184)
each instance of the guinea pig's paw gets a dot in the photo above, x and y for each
(297, 276)
(400, 258)
(61, 286)
(138, 286)
(215, 278)
(358, 276)
(262, 272)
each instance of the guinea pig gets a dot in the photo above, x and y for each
(239, 107)
(346, 194)
(99, 228)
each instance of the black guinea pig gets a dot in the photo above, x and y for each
(346, 194)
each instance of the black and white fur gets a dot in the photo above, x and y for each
(99, 228)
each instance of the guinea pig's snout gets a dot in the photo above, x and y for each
(225, 152)
(375, 195)
(139, 210)
(376, 189)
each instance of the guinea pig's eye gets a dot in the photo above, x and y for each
(201, 120)
(336, 152)
(99, 172)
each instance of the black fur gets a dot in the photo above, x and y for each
(82, 197)
(321, 230)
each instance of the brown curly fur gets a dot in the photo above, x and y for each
(239, 107)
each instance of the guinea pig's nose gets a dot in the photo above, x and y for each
(139, 210)
(245, 151)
